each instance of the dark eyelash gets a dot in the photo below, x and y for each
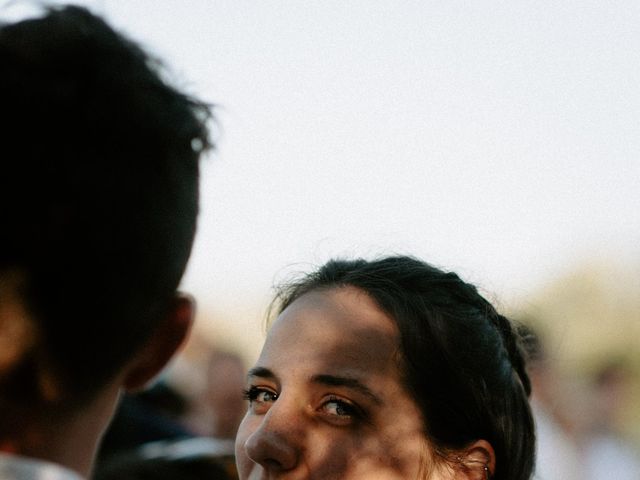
(352, 409)
(250, 393)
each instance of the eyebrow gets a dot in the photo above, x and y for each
(261, 372)
(349, 382)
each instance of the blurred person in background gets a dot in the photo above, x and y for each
(557, 455)
(98, 199)
(178, 458)
(138, 467)
(606, 453)
(210, 378)
(151, 415)
(190, 415)
(149, 439)
(225, 380)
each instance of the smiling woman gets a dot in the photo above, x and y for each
(387, 370)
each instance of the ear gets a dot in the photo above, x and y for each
(165, 341)
(477, 462)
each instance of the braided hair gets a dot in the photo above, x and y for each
(461, 360)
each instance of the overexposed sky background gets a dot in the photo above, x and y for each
(500, 139)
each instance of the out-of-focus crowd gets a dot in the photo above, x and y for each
(577, 420)
(185, 424)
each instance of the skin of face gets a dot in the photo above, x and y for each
(326, 399)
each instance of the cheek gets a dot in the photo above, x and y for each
(391, 458)
(333, 457)
(365, 454)
(397, 444)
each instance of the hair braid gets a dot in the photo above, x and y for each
(511, 340)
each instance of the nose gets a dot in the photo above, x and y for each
(277, 443)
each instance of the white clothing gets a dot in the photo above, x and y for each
(15, 467)
(609, 457)
(556, 456)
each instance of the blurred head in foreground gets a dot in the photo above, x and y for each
(98, 200)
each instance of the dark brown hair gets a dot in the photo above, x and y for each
(98, 194)
(461, 359)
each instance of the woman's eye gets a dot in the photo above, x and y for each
(340, 410)
(265, 396)
(260, 398)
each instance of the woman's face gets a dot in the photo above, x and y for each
(326, 400)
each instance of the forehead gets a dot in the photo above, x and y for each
(340, 328)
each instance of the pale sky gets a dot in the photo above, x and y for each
(499, 139)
